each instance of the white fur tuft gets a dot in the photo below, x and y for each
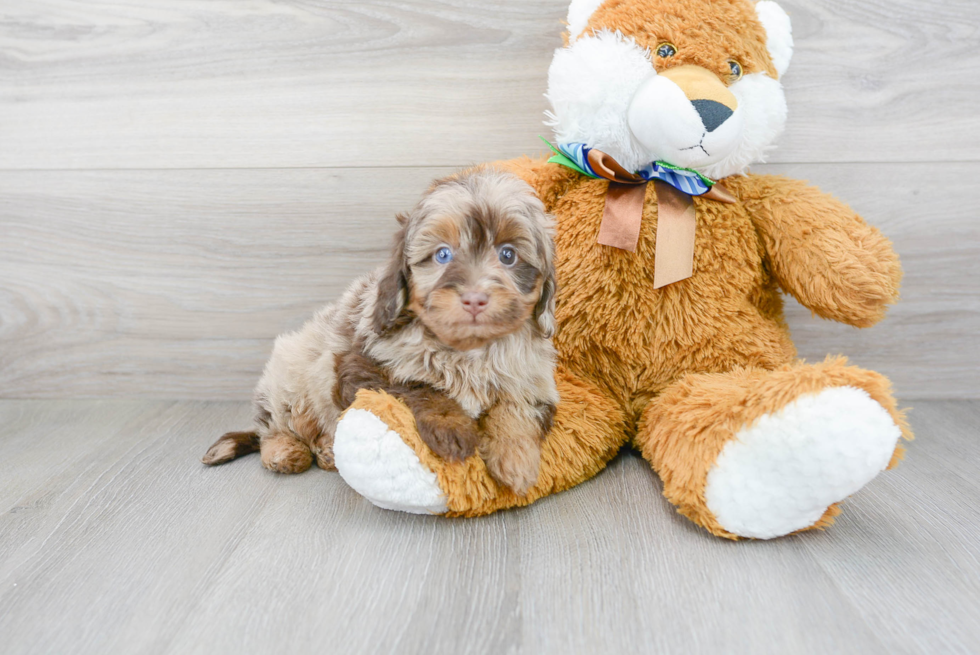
(762, 102)
(379, 465)
(780, 474)
(779, 33)
(603, 80)
(579, 13)
(590, 86)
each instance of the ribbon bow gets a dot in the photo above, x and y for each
(622, 216)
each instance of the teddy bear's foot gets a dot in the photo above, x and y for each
(375, 461)
(762, 454)
(782, 473)
(378, 452)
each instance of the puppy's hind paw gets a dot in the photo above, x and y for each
(285, 454)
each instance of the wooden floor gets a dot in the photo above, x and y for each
(114, 539)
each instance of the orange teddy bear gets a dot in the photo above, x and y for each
(670, 262)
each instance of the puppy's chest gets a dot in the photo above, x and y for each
(474, 381)
(477, 381)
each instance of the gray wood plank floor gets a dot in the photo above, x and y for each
(113, 538)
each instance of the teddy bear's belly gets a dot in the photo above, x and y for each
(617, 330)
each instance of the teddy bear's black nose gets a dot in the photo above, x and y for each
(712, 113)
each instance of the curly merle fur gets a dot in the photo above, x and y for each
(476, 380)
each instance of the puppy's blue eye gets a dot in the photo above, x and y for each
(507, 255)
(444, 255)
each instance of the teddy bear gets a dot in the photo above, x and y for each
(671, 258)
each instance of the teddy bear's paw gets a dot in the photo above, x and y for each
(376, 462)
(781, 474)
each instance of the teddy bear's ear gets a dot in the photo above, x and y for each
(779, 33)
(579, 13)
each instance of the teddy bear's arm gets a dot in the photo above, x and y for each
(822, 252)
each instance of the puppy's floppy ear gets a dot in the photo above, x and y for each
(544, 311)
(393, 285)
(542, 226)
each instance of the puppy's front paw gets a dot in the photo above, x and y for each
(515, 465)
(452, 437)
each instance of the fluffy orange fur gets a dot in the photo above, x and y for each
(703, 38)
(678, 371)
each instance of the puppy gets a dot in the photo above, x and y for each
(457, 325)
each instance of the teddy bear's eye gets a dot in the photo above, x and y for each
(665, 50)
(736, 69)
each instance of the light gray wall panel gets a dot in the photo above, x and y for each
(181, 181)
(173, 283)
(161, 84)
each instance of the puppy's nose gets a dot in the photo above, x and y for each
(474, 301)
(712, 113)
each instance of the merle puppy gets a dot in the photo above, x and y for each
(457, 325)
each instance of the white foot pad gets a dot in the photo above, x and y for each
(782, 473)
(377, 464)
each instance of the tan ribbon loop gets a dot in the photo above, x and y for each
(721, 194)
(676, 222)
(622, 216)
(607, 167)
(676, 218)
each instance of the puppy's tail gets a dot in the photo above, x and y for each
(231, 445)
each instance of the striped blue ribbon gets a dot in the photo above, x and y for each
(683, 179)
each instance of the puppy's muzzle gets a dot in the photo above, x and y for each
(475, 302)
